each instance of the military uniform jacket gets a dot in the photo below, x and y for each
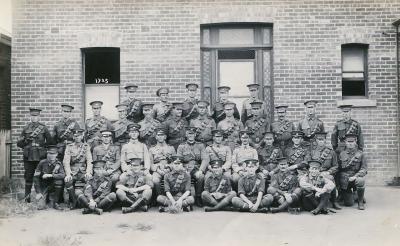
(267, 156)
(257, 128)
(97, 188)
(218, 183)
(204, 126)
(284, 181)
(110, 154)
(219, 114)
(175, 129)
(342, 128)
(251, 185)
(310, 126)
(190, 109)
(351, 163)
(231, 128)
(242, 153)
(77, 158)
(134, 179)
(33, 140)
(246, 109)
(45, 167)
(191, 152)
(147, 131)
(307, 182)
(177, 182)
(161, 153)
(327, 157)
(94, 126)
(298, 155)
(63, 131)
(135, 150)
(283, 132)
(217, 152)
(121, 134)
(162, 111)
(134, 110)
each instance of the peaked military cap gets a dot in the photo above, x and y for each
(163, 90)
(66, 107)
(34, 111)
(131, 87)
(96, 104)
(217, 163)
(133, 127)
(99, 163)
(52, 149)
(192, 86)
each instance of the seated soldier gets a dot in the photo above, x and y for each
(353, 169)
(134, 187)
(268, 155)
(218, 193)
(192, 153)
(96, 195)
(177, 189)
(48, 179)
(316, 189)
(251, 188)
(284, 189)
(298, 155)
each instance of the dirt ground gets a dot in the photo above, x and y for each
(379, 225)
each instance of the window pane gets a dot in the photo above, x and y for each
(359, 76)
(353, 88)
(108, 94)
(353, 58)
(236, 54)
(236, 36)
(236, 75)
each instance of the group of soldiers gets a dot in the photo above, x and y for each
(180, 154)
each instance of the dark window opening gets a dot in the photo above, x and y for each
(355, 70)
(236, 54)
(102, 66)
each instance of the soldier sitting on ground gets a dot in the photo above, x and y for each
(96, 196)
(134, 187)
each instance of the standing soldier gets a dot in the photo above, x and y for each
(148, 126)
(134, 105)
(135, 149)
(121, 135)
(96, 124)
(219, 110)
(251, 189)
(282, 128)
(203, 123)
(160, 158)
(110, 154)
(310, 124)
(192, 154)
(177, 188)
(298, 155)
(175, 126)
(217, 152)
(63, 130)
(316, 189)
(258, 125)
(352, 172)
(268, 154)
(230, 126)
(240, 155)
(77, 165)
(190, 103)
(49, 179)
(346, 126)
(34, 138)
(247, 112)
(134, 187)
(284, 188)
(329, 165)
(96, 195)
(218, 193)
(162, 109)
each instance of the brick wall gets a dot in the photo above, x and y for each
(160, 45)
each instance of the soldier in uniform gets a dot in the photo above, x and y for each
(148, 126)
(77, 165)
(346, 126)
(240, 154)
(257, 125)
(175, 126)
(352, 172)
(230, 126)
(135, 149)
(49, 179)
(251, 189)
(298, 155)
(160, 157)
(218, 112)
(268, 154)
(282, 128)
(218, 193)
(134, 105)
(33, 140)
(190, 103)
(63, 130)
(96, 124)
(329, 165)
(316, 189)
(217, 151)
(203, 123)
(134, 187)
(310, 124)
(96, 195)
(192, 153)
(162, 109)
(284, 188)
(177, 188)
(109, 153)
(247, 111)
(121, 135)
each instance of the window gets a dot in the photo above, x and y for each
(354, 71)
(101, 67)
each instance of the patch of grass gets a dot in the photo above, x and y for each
(10, 186)
(143, 227)
(60, 240)
(10, 207)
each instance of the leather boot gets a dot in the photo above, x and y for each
(335, 204)
(57, 195)
(198, 201)
(28, 188)
(98, 211)
(360, 195)
(281, 208)
(323, 203)
(72, 197)
(140, 202)
(105, 204)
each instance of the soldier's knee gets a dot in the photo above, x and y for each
(121, 194)
(271, 190)
(156, 179)
(147, 194)
(236, 201)
(232, 193)
(268, 198)
(112, 197)
(78, 192)
(360, 182)
(189, 200)
(205, 194)
(162, 199)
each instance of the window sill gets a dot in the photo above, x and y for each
(358, 103)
